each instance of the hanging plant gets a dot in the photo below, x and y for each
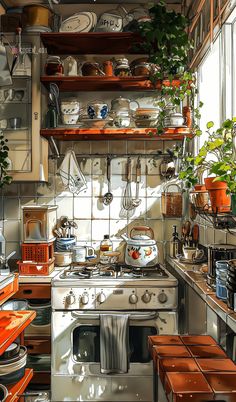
(4, 162)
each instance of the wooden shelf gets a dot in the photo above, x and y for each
(103, 83)
(80, 134)
(12, 323)
(19, 387)
(9, 290)
(90, 42)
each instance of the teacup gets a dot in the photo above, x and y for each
(19, 94)
(176, 119)
(97, 110)
(192, 253)
(15, 122)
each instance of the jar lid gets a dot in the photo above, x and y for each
(53, 59)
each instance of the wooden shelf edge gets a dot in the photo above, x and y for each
(16, 331)
(68, 134)
(19, 387)
(15, 289)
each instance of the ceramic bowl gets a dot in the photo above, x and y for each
(146, 114)
(70, 107)
(63, 258)
(69, 118)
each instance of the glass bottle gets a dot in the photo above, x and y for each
(175, 244)
(105, 245)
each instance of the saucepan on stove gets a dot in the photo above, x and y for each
(3, 393)
(141, 249)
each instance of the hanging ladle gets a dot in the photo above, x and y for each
(108, 197)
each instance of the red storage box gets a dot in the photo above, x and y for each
(36, 268)
(37, 252)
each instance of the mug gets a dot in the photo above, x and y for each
(83, 253)
(15, 122)
(192, 253)
(177, 119)
(19, 94)
(97, 110)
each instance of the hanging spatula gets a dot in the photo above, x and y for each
(195, 234)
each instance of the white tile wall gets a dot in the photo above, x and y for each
(93, 218)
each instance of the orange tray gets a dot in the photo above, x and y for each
(36, 268)
(18, 388)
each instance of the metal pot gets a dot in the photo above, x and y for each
(141, 249)
(3, 393)
(218, 252)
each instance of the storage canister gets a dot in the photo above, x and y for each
(221, 276)
(172, 202)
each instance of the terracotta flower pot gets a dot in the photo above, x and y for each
(200, 196)
(220, 201)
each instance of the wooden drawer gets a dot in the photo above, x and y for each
(37, 346)
(34, 291)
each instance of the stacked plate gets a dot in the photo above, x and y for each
(12, 364)
(43, 311)
(37, 28)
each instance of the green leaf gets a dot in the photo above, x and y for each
(210, 124)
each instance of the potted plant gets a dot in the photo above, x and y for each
(5, 178)
(217, 156)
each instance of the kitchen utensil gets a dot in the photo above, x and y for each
(195, 234)
(54, 90)
(15, 122)
(108, 197)
(137, 200)
(84, 21)
(141, 249)
(127, 199)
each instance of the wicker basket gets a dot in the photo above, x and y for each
(172, 202)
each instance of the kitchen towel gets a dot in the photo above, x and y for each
(114, 343)
(71, 175)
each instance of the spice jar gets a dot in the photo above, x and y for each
(122, 68)
(54, 66)
(92, 69)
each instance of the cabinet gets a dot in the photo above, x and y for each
(98, 43)
(20, 114)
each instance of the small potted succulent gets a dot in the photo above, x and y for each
(217, 156)
(5, 178)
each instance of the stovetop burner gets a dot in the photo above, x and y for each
(113, 270)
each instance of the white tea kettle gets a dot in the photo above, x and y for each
(141, 249)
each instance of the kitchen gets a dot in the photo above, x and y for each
(115, 237)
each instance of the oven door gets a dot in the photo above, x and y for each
(76, 369)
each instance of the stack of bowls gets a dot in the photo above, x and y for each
(12, 364)
(146, 117)
(43, 311)
(70, 111)
(221, 277)
(231, 284)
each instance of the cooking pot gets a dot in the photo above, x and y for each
(141, 249)
(37, 14)
(3, 393)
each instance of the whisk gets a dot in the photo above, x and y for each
(127, 199)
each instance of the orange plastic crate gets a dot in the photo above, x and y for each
(37, 252)
(35, 268)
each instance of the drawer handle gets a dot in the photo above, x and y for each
(2, 293)
(27, 291)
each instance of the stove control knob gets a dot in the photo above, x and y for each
(101, 297)
(133, 298)
(84, 299)
(162, 297)
(146, 297)
(70, 299)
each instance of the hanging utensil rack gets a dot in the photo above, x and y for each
(157, 155)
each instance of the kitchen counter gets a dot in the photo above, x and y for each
(197, 280)
(39, 278)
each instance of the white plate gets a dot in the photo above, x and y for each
(80, 22)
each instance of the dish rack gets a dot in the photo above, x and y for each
(37, 252)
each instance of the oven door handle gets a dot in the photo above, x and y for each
(132, 316)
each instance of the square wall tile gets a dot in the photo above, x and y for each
(100, 227)
(82, 147)
(153, 209)
(82, 208)
(117, 228)
(154, 186)
(153, 147)
(136, 147)
(12, 190)
(209, 235)
(119, 167)
(46, 189)
(98, 166)
(99, 210)
(85, 165)
(13, 246)
(117, 185)
(118, 147)
(12, 231)
(220, 237)
(11, 208)
(99, 147)
(65, 207)
(231, 238)
(99, 185)
(27, 189)
(153, 166)
(45, 201)
(202, 231)
(116, 209)
(83, 233)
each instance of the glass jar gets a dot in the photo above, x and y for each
(54, 66)
(105, 245)
(122, 68)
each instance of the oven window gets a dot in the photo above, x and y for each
(138, 343)
(86, 344)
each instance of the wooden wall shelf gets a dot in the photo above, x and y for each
(90, 42)
(12, 323)
(80, 134)
(19, 387)
(103, 83)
